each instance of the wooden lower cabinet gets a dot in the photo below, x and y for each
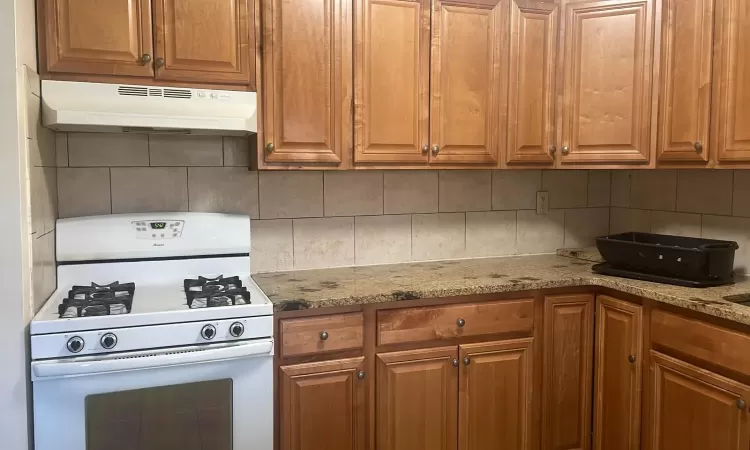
(694, 409)
(322, 405)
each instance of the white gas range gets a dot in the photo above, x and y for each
(156, 337)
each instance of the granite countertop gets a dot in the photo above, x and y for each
(319, 288)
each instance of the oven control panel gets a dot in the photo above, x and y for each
(158, 229)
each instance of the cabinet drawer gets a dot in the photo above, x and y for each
(444, 322)
(713, 344)
(321, 334)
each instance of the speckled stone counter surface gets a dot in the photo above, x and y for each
(376, 284)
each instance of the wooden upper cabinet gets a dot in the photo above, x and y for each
(607, 88)
(531, 82)
(617, 375)
(566, 378)
(465, 86)
(417, 397)
(694, 409)
(322, 406)
(686, 62)
(733, 107)
(307, 62)
(495, 395)
(99, 37)
(204, 41)
(392, 73)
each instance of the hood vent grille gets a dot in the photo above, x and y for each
(178, 93)
(137, 91)
(132, 90)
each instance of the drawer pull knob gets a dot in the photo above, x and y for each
(565, 150)
(631, 358)
(323, 335)
(460, 323)
(454, 362)
(145, 59)
(361, 375)
(467, 361)
(740, 404)
(698, 147)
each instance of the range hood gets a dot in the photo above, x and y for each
(100, 107)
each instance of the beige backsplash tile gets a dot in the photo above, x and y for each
(438, 236)
(584, 225)
(382, 239)
(515, 189)
(464, 190)
(600, 182)
(237, 150)
(287, 195)
(83, 191)
(620, 188)
(681, 224)
(705, 191)
(149, 189)
(567, 188)
(107, 149)
(741, 193)
(349, 193)
(410, 191)
(231, 190)
(622, 220)
(653, 189)
(323, 242)
(490, 233)
(731, 229)
(540, 233)
(272, 245)
(168, 150)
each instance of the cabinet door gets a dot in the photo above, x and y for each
(417, 397)
(308, 78)
(733, 112)
(392, 73)
(607, 88)
(495, 395)
(467, 58)
(322, 405)
(685, 103)
(617, 375)
(694, 409)
(204, 40)
(531, 82)
(567, 375)
(101, 37)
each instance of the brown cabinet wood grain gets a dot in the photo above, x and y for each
(567, 375)
(322, 405)
(307, 84)
(308, 335)
(694, 409)
(617, 374)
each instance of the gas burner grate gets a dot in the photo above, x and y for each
(97, 300)
(203, 292)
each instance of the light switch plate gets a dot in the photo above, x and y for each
(542, 202)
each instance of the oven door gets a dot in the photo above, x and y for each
(217, 397)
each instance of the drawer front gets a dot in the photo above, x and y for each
(445, 322)
(713, 344)
(321, 334)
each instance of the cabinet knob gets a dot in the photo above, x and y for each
(631, 359)
(145, 59)
(270, 147)
(565, 150)
(460, 323)
(361, 375)
(740, 404)
(323, 335)
(435, 149)
(425, 148)
(467, 361)
(454, 362)
(698, 147)
(552, 150)
(160, 62)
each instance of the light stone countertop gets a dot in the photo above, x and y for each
(320, 288)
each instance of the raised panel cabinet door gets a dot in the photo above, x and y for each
(100, 37)
(495, 395)
(307, 83)
(617, 374)
(694, 409)
(531, 83)
(468, 57)
(686, 63)
(204, 40)
(417, 399)
(567, 376)
(322, 405)
(733, 107)
(607, 86)
(392, 80)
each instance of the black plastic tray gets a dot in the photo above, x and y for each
(606, 269)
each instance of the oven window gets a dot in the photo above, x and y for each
(194, 416)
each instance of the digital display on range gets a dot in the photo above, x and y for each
(158, 225)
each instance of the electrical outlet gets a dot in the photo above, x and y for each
(542, 202)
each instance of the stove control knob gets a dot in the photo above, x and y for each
(236, 329)
(75, 344)
(208, 332)
(108, 341)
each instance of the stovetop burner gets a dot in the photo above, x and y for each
(97, 300)
(220, 291)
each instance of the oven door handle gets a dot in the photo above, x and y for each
(150, 359)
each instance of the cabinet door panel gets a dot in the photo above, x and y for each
(417, 400)
(733, 114)
(308, 80)
(608, 81)
(102, 37)
(392, 81)
(322, 406)
(694, 409)
(495, 395)
(617, 375)
(568, 355)
(685, 104)
(204, 40)
(467, 54)
(531, 83)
